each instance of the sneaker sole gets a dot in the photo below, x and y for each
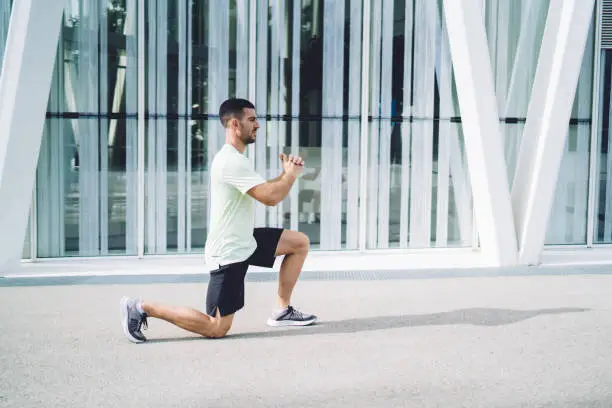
(124, 321)
(285, 323)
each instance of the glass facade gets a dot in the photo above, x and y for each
(603, 201)
(87, 171)
(132, 122)
(418, 190)
(514, 32)
(5, 15)
(568, 222)
(282, 55)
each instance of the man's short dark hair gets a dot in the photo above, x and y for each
(233, 108)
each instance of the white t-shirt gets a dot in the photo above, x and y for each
(232, 216)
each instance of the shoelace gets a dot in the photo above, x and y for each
(296, 313)
(141, 323)
(144, 323)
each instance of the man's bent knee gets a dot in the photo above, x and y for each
(293, 242)
(304, 243)
(219, 332)
(221, 325)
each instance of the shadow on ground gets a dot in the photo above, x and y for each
(474, 316)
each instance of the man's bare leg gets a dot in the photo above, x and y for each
(294, 245)
(134, 314)
(190, 319)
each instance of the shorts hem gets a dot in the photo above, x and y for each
(224, 311)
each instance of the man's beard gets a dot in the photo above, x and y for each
(247, 139)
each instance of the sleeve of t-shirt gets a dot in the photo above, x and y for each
(240, 174)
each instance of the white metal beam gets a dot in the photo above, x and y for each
(483, 140)
(25, 82)
(538, 164)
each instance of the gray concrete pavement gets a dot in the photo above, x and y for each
(504, 341)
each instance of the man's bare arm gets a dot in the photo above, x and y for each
(277, 178)
(273, 191)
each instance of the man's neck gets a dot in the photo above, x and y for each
(237, 143)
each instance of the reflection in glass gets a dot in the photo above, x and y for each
(306, 61)
(189, 46)
(515, 31)
(312, 75)
(25, 253)
(603, 189)
(418, 186)
(568, 217)
(87, 184)
(5, 16)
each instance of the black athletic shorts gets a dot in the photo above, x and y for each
(226, 284)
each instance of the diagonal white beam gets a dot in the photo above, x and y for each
(545, 132)
(483, 140)
(24, 90)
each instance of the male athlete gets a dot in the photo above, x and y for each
(233, 243)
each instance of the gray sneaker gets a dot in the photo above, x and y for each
(132, 320)
(291, 317)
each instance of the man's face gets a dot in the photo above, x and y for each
(247, 127)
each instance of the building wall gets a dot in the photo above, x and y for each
(132, 124)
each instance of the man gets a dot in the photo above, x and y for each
(233, 243)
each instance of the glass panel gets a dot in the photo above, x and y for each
(289, 99)
(25, 254)
(603, 202)
(198, 186)
(197, 143)
(568, 218)
(514, 31)
(87, 191)
(161, 80)
(308, 88)
(189, 45)
(418, 186)
(5, 16)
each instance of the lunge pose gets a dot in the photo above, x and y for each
(233, 243)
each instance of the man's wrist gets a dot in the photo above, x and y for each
(289, 176)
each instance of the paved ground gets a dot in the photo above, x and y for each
(503, 341)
